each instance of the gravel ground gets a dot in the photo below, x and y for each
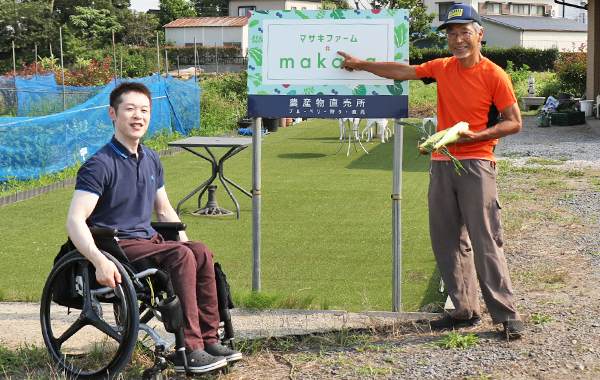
(550, 190)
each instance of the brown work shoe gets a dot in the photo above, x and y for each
(447, 322)
(513, 329)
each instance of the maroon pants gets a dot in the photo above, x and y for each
(192, 271)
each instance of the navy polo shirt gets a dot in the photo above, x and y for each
(126, 186)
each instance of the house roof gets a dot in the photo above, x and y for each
(533, 23)
(190, 22)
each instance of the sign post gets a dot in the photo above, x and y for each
(294, 71)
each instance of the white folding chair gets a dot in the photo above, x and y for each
(384, 131)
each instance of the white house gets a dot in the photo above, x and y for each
(527, 23)
(533, 32)
(242, 7)
(209, 31)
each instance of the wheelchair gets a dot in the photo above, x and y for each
(91, 331)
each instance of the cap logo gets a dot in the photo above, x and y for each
(458, 12)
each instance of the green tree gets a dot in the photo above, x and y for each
(171, 10)
(64, 9)
(27, 24)
(141, 29)
(419, 20)
(95, 25)
(211, 8)
(333, 5)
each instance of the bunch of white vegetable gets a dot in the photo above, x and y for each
(438, 141)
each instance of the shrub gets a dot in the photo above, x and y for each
(571, 70)
(91, 75)
(536, 59)
(223, 103)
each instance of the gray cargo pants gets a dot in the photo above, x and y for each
(466, 237)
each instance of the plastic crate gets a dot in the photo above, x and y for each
(567, 118)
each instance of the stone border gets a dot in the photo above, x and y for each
(28, 194)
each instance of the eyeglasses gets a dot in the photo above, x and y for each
(463, 35)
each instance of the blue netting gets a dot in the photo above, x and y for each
(39, 99)
(32, 146)
(10, 88)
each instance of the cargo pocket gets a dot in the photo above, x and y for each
(495, 222)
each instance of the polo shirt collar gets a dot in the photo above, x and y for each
(122, 151)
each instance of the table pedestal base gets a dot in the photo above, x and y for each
(212, 208)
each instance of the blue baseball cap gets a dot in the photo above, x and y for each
(460, 14)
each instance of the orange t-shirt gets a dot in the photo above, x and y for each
(474, 95)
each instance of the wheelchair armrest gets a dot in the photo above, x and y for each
(169, 230)
(104, 232)
(176, 226)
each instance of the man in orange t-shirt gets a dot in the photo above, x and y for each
(464, 211)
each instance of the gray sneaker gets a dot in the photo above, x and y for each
(219, 349)
(199, 361)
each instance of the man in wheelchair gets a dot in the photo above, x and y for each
(120, 186)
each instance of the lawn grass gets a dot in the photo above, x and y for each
(326, 223)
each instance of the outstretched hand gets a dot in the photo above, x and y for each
(349, 62)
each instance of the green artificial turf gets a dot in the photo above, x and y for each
(326, 223)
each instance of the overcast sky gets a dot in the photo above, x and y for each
(143, 5)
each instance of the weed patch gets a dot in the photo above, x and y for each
(454, 340)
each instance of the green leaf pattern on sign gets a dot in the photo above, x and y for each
(401, 35)
(321, 14)
(253, 23)
(360, 90)
(308, 91)
(398, 57)
(255, 79)
(396, 88)
(338, 15)
(256, 55)
(302, 15)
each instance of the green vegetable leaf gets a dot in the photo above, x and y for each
(401, 35)
(360, 90)
(256, 54)
(396, 88)
(339, 15)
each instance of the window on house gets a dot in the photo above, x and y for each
(237, 44)
(293, 8)
(494, 8)
(444, 8)
(519, 9)
(538, 10)
(243, 11)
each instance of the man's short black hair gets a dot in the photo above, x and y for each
(125, 87)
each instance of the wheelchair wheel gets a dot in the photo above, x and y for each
(96, 341)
